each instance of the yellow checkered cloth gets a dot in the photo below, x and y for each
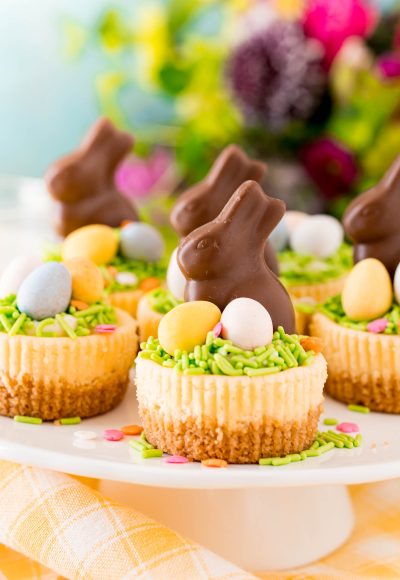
(77, 533)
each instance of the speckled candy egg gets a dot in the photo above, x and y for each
(396, 284)
(367, 293)
(317, 235)
(279, 237)
(176, 281)
(247, 323)
(87, 280)
(96, 242)
(141, 242)
(46, 291)
(16, 272)
(187, 325)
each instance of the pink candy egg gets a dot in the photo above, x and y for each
(113, 435)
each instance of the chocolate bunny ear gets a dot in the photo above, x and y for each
(233, 167)
(82, 182)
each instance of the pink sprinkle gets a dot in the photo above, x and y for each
(377, 326)
(176, 459)
(217, 329)
(348, 427)
(113, 435)
(105, 328)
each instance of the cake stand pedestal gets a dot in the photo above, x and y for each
(262, 518)
(257, 529)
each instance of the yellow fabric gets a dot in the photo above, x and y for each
(75, 531)
(372, 552)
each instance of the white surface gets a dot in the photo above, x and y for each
(257, 529)
(55, 448)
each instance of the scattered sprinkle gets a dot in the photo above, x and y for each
(149, 284)
(378, 325)
(358, 408)
(150, 453)
(113, 435)
(330, 421)
(214, 463)
(348, 427)
(217, 329)
(132, 429)
(79, 304)
(30, 420)
(105, 328)
(85, 434)
(176, 459)
(69, 421)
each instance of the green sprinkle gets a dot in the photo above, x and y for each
(294, 457)
(137, 445)
(149, 453)
(5, 322)
(70, 421)
(281, 461)
(65, 326)
(265, 461)
(298, 269)
(315, 445)
(331, 421)
(262, 371)
(144, 442)
(358, 440)
(30, 420)
(358, 408)
(225, 366)
(17, 325)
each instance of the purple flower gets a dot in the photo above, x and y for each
(330, 165)
(389, 65)
(276, 75)
(138, 178)
(333, 21)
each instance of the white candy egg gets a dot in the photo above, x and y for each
(279, 237)
(396, 284)
(247, 323)
(176, 281)
(141, 241)
(318, 235)
(46, 291)
(16, 272)
(294, 218)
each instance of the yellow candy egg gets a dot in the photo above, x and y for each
(87, 280)
(187, 325)
(97, 242)
(368, 291)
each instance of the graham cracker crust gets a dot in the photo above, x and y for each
(205, 439)
(61, 399)
(374, 392)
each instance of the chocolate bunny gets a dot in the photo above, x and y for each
(224, 259)
(82, 182)
(204, 201)
(372, 221)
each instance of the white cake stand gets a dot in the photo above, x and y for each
(262, 518)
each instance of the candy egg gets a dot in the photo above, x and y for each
(367, 293)
(294, 218)
(141, 241)
(317, 235)
(279, 237)
(396, 284)
(126, 278)
(87, 280)
(187, 325)
(176, 281)
(247, 323)
(96, 242)
(46, 291)
(16, 272)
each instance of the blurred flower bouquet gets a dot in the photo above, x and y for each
(311, 83)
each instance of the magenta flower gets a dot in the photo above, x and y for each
(333, 21)
(138, 178)
(389, 65)
(330, 165)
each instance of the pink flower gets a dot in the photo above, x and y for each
(333, 21)
(389, 65)
(377, 326)
(138, 178)
(330, 165)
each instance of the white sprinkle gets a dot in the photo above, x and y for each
(126, 278)
(85, 434)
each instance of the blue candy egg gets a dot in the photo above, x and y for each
(45, 292)
(279, 237)
(141, 242)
